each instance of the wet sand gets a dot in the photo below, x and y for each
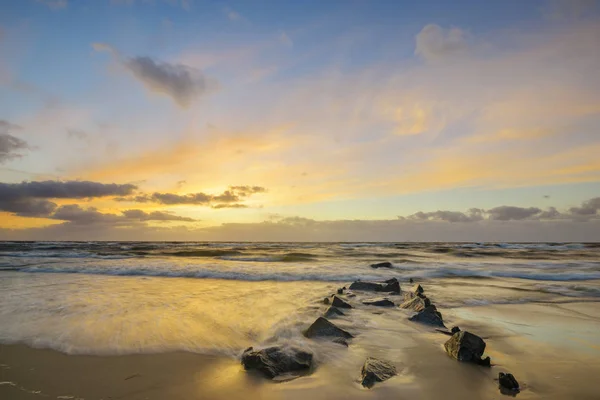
(552, 349)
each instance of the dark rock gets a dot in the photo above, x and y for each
(411, 280)
(337, 302)
(323, 328)
(332, 312)
(465, 346)
(382, 265)
(508, 381)
(417, 304)
(344, 288)
(444, 331)
(375, 370)
(274, 361)
(381, 302)
(417, 289)
(455, 329)
(341, 341)
(430, 316)
(326, 300)
(340, 291)
(391, 285)
(485, 362)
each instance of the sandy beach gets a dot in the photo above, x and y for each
(551, 347)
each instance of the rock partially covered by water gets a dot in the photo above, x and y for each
(417, 289)
(326, 300)
(508, 381)
(323, 328)
(391, 285)
(381, 302)
(417, 304)
(385, 264)
(455, 329)
(465, 346)
(333, 312)
(337, 302)
(277, 360)
(430, 315)
(375, 370)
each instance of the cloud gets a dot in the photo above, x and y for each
(55, 4)
(509, 213)
(63, 189)
(183, 84)
(519, 224)
(75, 214)
(155, 216)
(472, 215)
(226, 199)
(31, 199)
(435, 43)
(27, 207)
(588, 208)
(10, 146)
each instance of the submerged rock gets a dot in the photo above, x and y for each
(323, 328)
(417, 304)
(277, 360)
(465, 346)
(326, 300)
(341, 341)
(508, 381)
(410, 280)
(332, 312)
(340, 291)
(385, 264)
(455, 329)
(391, 285)
(430, 315)
(381, 302)
(337, 302)
(375, 370)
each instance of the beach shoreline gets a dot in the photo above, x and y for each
(551, 364)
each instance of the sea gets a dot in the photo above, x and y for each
(114, 298)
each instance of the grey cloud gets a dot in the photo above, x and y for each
(10, 146)
(180, 82)
(473, 215)
(155, 216)
(435, 43)
(31, 199)
(510, 213)
(235, 194)
(225, 205)
(588, 208)
(63, 189)
(27, 207)
(75, 214)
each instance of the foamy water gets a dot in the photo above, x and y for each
(123, 298)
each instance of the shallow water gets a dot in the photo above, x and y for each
(130, 297)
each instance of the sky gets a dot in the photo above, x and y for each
(300, 121)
